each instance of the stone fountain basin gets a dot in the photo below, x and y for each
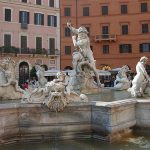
(103, 120)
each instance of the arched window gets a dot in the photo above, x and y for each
(23, 72)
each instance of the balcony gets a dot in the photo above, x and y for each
(24, 26)
(15, 50)
(105, 37)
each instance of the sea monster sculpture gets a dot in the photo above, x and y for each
(122, 82)
(55, 94)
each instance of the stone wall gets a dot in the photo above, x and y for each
(143, 117)
(112, 118)
(35, 122)
(103, 120)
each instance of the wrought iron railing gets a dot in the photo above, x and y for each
(12, 49)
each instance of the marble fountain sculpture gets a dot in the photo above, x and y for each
(122, 82)
(81, 79)
(55, 94)
(63, 90)
(141, 82)
(9, 89)
(29, 120)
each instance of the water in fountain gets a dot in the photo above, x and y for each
(134, 143)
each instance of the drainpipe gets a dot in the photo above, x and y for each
(60, 36)
(76, 14)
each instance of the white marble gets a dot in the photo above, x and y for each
(122, 82)
(40, 74)
(83, 62)
(55, 94)
(9, 88)
(141, 82)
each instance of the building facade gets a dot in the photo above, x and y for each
(119, 30)
(30, 33)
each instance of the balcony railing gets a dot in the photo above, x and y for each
(12, 49)
(105, 37)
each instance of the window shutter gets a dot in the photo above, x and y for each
(49, 20)
(55, 21)
(20, 14)
(120, 49)
(42, 19)
(35, 16)
(28, 17)
(141, 47)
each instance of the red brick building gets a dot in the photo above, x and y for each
(119, 30)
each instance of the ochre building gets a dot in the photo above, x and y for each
(119, 30)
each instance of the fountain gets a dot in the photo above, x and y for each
(9, 88)
(141, 82)
(60, 109)
(122, 82)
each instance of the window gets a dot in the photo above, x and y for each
(38, 2)
(105, 49)
(145, 28)
(67, 32)
(7, 40)
(24, 17)
(85, 11)
(67, 50)
(104, 10)
(24, 1)
(23, 42)
(51, 3)
(145, 47)
(39, 19)
(124, 29)
(124, 9)
(38, 43)
(144, 7)
(52, 21)
(125, 48)
(8, 15)
(67, 11)
(105, 32)
(52, 46)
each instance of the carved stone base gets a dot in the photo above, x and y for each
(9, 93)
(83, 84)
